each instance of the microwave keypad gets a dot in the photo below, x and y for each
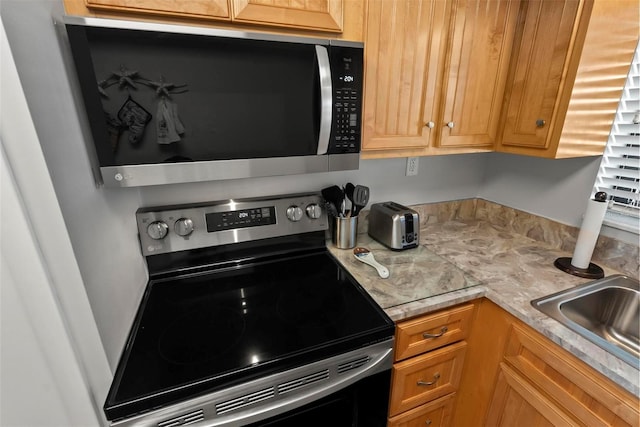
(346, 119)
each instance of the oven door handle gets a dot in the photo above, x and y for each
(381, 361)
(326, 99)
(378, 360)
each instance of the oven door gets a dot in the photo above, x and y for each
(363, 404)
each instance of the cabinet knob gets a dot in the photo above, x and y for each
(430, 125)
(428, 422)
(540, 123)
(450, 125)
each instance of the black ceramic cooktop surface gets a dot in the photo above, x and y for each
(197, 334)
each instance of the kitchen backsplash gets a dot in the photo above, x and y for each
(621, 256)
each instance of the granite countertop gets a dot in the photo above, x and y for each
(462, 260)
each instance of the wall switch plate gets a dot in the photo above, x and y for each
(412, 166)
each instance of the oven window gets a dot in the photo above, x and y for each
(158, 97)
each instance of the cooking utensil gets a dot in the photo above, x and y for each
(365, 255)
(349, 188)
(335, 196)
(360, 198)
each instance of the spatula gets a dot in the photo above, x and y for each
(349, 188)
(360, 198)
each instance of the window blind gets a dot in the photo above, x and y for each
(619, 173)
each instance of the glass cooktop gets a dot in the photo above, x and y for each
(196, 334)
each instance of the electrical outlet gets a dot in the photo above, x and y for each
(412, 166)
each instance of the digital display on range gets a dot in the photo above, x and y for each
(219, 221)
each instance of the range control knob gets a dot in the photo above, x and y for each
(183, 227)
(157, 230)
(294, 213)
(314, 211)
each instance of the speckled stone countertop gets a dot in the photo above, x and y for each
(461, 260)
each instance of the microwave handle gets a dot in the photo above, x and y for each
(326, 101)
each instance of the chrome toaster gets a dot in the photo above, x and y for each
(394, 225)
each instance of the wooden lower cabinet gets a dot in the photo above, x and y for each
(514, 376)
(429, 357)
(516, 402)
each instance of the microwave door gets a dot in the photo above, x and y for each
(326, 101)
(169, 104)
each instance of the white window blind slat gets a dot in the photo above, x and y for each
(624, 194)
(619, 173)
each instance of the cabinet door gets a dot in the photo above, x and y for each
(517, 403)
(477, 63)
(583, 394)
(196, 8)
(324, 15)
(541, 53)
(404, 51)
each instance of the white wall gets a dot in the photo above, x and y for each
(53, 368)
(555, 189)
(42, 382)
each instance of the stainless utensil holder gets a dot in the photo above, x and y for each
(344, 232)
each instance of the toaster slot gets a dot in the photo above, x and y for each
(408, 228)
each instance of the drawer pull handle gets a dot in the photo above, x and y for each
(436, 377)
(428, 422)
(443, 331)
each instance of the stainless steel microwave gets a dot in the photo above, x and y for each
(172, 103)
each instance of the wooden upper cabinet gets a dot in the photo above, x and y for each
(318, 15)
(431, 63)
(404, 49)
(324, 15)
(212, 9)
(570, 62)
(476, 69)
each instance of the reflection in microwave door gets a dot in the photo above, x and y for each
(134, 118)
(168, 124)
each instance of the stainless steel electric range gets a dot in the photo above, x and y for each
(248, 320)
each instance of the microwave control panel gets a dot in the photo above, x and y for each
(346, 73)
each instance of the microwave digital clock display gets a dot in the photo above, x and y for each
(219, 221)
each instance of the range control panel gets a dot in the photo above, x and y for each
(165, 229)
(347, 99)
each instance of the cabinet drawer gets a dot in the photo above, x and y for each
(432, 331)
(434, 414)
(426, 377)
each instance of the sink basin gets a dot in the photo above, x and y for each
(604, 311)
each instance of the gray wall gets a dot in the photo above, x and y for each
(101, 221)
(557, 189)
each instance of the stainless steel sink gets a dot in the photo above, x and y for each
(604, 311)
